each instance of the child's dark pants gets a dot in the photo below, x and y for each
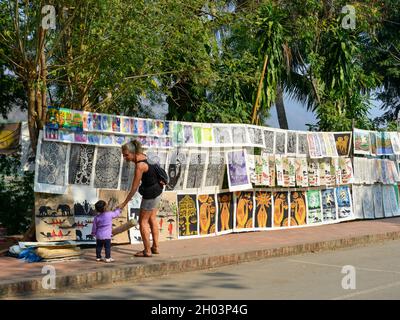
(99, 246)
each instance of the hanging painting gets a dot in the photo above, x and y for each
(222, 135)
(107, 167)
(187, 216)
(328, 205)
(196, 167)
(54, 219)
(81, 164)
(244, 210)
(256, 137)
(263, 210)
(281, 209)
(298, 208)
(269, 141)
(239, 135)
(378, 203)
(362, 142)
(238, 173)
(178, 160)
(314, 206)
(302, 144)
(127, 175)
(207, 214)
(343, 143)
(215, 171)
(343, 199)
(280, 142)
(225, 213)
(167, 216)
(291, 145)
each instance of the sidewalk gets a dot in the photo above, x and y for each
(21, 278)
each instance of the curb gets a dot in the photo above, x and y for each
(33, 287)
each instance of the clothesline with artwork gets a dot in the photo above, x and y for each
(82, 127)
(376, 143)
(201, 170)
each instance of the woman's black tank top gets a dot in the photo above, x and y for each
(150, 187)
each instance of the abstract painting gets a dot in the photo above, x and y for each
(280, 142)
(222, 135)
(291, 145)
(281, 209)
(239, 135)
(196, 167)
(187, 215)
(207, 214)
(244, 210)
(107, 167)
(238, 173)
(263, 210)
(314, 207)
(81, 164)
(178, 160)
(215, 170)
(225, 212)
(52, 161)
(298, 208)
(269, 141)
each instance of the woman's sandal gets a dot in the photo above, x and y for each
(142, 254)
(154, 251)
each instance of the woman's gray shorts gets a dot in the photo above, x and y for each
(150, 204)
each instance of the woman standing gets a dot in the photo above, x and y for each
(150, 189)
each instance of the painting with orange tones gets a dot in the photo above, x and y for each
(343, 143)
(298, 208)
(225, 212)
(263, 210)
(207, 214)
(244, 210)
(281, 209)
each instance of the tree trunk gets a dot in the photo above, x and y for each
(280, 109)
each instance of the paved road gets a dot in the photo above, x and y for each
(309, 276)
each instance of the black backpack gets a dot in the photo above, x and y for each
(161, 174)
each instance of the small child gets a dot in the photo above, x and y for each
(102, 229)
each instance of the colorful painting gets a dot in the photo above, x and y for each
(301, 172)
(76, 124)
(225, 212)
(126, 125)
(263, 210)
(187, 216)
(207, 134)
(207, 214)
(80, 137)
(66, 136)
(89, 122)
(343, 143)
(197, 135)
(346, 168)
(343, 199)
(244, 210)
(372, 137)
(281, 209)
(52, 118)
(65, 118)
(313, 173)
(328, 204)
(298, 208)
(94, 138)
(167, 216)
(51, 134)
(96, 118)
(238, 173)
(177, 134)
(54, 219)
(362, 142)
(314, 207)
(383, 143)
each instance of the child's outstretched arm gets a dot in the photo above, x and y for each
(116, 212)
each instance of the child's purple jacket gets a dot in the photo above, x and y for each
(102, 224)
